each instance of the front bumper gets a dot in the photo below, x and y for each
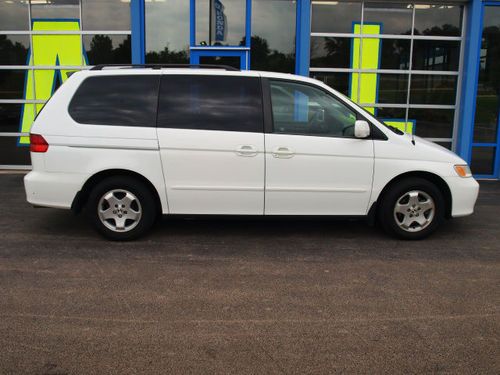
(464, 192)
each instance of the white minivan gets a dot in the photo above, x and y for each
(127, 144)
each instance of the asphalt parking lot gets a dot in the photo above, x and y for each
(247, 296)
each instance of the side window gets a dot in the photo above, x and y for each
(128, 100)
(211, 103)
(306, 110)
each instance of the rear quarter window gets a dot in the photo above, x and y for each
(128, 100)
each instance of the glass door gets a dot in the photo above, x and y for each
(220, 32)
(485, 158)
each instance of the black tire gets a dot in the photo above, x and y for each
(389, 220)
(144, 203)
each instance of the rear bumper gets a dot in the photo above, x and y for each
(464, 192)
(56, 190)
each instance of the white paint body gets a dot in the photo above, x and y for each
(238, 173)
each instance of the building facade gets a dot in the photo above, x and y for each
(429, 68)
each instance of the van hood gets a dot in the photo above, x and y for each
(431, 151)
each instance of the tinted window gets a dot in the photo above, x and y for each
(303, 109)
(211, 103)
(116, 100)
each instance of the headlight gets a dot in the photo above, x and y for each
(463, 170)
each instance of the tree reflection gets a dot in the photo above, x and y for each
(444, 30)
(491, 43)
(168, 57)
(12, 53)
(263, 58)
(101, 51)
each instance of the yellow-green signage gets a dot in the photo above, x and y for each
(49, 50)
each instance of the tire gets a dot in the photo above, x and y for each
(121, 208)
(412, 209)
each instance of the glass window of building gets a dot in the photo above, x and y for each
(486, 121)
(220, 23)
(14, 15)
(393, 18)
(273, 35)
(162, 44)
(33, 63)
(57, 9)
(106, 14)
(438, 20)
(334, 16)
(400, 61)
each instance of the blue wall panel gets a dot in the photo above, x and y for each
(137, 24)
(469, 78)
(303, 37)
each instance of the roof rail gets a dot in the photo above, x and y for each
(160, 66)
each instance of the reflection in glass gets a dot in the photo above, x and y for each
(12, 154)
(395, 54)
(12, 84)
(107, 49)
(273, 35)
(14, 49)
(122, 100)
(233, 61)
(10, 117)
(488, 89)
(394, 18)
(210, 103)
(227, 25)
(330, 52)
(391, 113)
(482, 161)
(163, 45)
(436, 55)
(105, 15)
(433, 123)
(55, 9)
(443, 20)
(14, 15)
(392, 88)
(334, 17)
(337, 81)
(433, 89)
(445, 144)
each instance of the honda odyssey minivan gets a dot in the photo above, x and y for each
(128, 144)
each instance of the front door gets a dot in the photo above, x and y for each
(210, 132)
(485, 160)
(314, 165)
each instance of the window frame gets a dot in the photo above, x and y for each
(375, 132)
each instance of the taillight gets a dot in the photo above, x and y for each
(38, 143)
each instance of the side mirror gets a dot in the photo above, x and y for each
(361, 129)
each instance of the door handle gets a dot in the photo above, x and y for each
(283, 153)
(246, 150)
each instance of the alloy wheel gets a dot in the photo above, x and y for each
(414, 211)
(119, 210)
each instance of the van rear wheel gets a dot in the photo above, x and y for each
(121, 208)
(412, 209)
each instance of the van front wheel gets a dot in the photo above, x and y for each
(121, 208)
(412, 209)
